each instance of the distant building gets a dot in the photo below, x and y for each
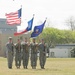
(7, 29)
(5, 32)
(62, 51)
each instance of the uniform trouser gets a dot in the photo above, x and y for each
(25, 59)
(42, 59)
(33, 59)
(18, 59)
(10, 59)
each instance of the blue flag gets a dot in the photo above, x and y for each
(38, 30)
(30, 23)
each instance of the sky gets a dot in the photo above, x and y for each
(56, 11)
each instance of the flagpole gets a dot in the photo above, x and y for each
(46, 18)
(21, 6)
(33, 15)
(33, 18)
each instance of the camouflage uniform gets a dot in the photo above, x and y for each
(25, 47)
(10, 52)
(18, 55)
(33, 55)
(42, 55)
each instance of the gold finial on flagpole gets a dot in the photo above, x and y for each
(46, 18)
(33, 14)
(21, 6)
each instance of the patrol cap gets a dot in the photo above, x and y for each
(34, 38)
(42, 39)
(9, 38)
(25, 37)
(18, 39)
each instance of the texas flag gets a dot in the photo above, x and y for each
(29, 27)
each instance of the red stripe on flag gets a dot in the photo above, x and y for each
(19, 33)
(12, 18)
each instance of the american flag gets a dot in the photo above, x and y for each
(14, 18)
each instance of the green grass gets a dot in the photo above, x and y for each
(53, 66)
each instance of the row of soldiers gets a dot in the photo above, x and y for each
(22, 52)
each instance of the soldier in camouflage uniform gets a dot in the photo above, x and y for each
(42, 55)
(18, 54)
(10, 52)
(33, 54)
(25, 47)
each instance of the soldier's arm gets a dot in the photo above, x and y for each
(21, 47)
(8, 47)
(45, 47)
(37, 46)
(30, 45)
(13, 47)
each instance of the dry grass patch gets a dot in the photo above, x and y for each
(54, 66)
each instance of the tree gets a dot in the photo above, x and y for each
(71, 23)
(55, 36)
